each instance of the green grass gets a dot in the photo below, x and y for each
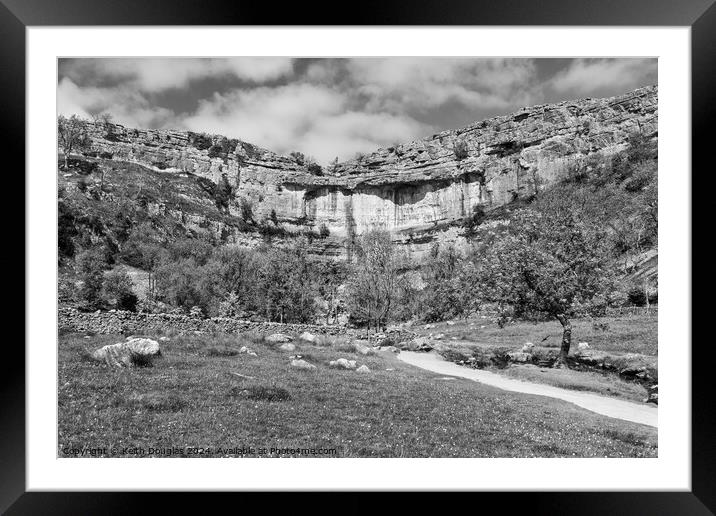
(190, 399)
(628, 334)
(606, 384)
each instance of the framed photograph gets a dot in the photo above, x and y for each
(417, 250)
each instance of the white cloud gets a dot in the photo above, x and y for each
(590, 76)
(159, 74)
(127, 106)
(313, 119)
(336, 107)
(423, 83)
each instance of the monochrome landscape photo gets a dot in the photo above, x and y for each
(357, 257)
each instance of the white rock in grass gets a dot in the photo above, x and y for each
(288, 347)
(278, 338)
(527, 348)
(124, 354)
(519, 356)
(363, 369)
(583, 346)
(143, 346)
(310, 337)
(343, 363)
(302, 364)
(363, 349)
(450, 323)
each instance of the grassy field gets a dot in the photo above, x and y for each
(628, 334)
(605, 384)
(193, 397)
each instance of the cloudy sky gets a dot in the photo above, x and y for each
(330, 108)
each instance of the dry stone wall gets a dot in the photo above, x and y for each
(118, 321)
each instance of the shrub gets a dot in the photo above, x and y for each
(156, 402)
(315, 169)
(323, 231)
(215, 151)
(91, 264)
(246, 208)
(229, 307)
(261, 393)
(460, 149)
(117, 289)
(200, 140)
(298, 157)
(221, 351)
(600, 326)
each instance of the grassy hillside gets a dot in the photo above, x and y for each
(101, 201)
(202, 393)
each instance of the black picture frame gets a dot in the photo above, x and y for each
(700, 15)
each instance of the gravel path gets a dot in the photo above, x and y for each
(620, 409)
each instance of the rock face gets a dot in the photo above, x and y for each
(420, 190)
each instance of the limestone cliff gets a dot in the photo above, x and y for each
(417, 190)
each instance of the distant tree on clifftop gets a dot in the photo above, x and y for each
(72, 135)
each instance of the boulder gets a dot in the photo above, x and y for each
(302, 364)
(451, 323)
(288, 347)
(278, 338)
(310, 337)
(363, 369)
(128, 353)
(583, 346)
(342, 363)
(419, 344)
(362, 348)
(519, 356)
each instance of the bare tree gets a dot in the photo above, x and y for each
(72, 135)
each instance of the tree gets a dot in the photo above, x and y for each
(105, 121)
(287, 283)
(546, 263)
(330, 276)
(144, 248)
(445, 293)
(333, 166)
(373, 285)
(72, 135)
(91, 265)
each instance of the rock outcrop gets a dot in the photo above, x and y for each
(420, 190)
